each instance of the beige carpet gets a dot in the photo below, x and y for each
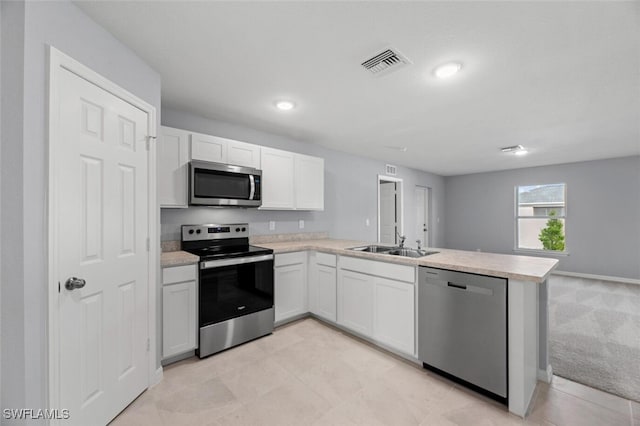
(594, 329)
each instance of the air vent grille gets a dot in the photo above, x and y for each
(385, 62)
(390, 170)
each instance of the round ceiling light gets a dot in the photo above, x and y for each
(285, 105)
(447, 70)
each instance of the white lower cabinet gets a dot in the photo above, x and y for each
(179, 310)
(355, 302)
(323, 285)
(290, 285)
(393, 314)
(377, 300)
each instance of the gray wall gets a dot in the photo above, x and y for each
(24, 160)
(350, 191)
(603, 213)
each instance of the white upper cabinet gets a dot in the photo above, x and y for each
(309, 182)
(277, 179)
(208, 148)
(243, 154)
(291, 181)
(173, 167)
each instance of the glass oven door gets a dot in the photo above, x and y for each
(230, 288)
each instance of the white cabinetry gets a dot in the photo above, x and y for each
(173, 167)
(309, 182)
(243, 154)
(393, 314)
(208, 148)
(377, 300)
(290, 285)
(355, 301)
(179, 310)
(323, 286)
(277, 179)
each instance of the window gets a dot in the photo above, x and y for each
(541, 217)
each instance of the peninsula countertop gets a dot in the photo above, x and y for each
(523, 268)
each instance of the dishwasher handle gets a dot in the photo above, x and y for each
(461, 287)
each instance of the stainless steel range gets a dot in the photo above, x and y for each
(235, 285)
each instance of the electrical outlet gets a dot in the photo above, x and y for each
(367, 222)
(301, 224)
(272, 225)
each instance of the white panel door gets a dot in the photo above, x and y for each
(393, 314)
(208, 148)
(309, 182)
(101, 214)
(243, 154)
(290, 291)
(355, 302)
(422, 215)
(277, 179)
(326, 292)
(173, 167)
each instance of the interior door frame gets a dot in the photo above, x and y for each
(400, 208)
(58, 62)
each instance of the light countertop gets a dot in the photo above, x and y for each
(523, 268)
(177, 258)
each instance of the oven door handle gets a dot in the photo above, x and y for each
(234, 261)
(253, 187)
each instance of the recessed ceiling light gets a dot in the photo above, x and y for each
(285, 105)
(447, 70)
(515, 149)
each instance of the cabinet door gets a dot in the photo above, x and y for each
(179, 321)
(309, 182)
(290, 288)
(243, 154)
(393, 314)
(326, 292)
(208, 148)
(277, 179)
(355, 302)
(173, 167)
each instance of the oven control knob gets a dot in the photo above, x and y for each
(237, 229)
(190, 231)
(244, 229)
(198, 231)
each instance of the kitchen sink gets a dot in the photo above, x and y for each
(373, 249)
(394, 251)
(409, 252)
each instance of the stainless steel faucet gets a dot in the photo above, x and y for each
(402, 238)
(419, 241)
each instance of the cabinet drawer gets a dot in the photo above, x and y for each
(381, 269)
(290, 258)
(326, 259)
(178, 274)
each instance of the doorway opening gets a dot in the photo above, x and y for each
(423, 215)
(390, 226)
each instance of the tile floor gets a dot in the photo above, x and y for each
(307, 373)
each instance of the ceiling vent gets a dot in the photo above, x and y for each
(390, 170)
(386, 62)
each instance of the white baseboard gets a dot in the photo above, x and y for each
(156, 378)
(597, 277)
(545, 376)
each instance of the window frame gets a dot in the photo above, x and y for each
(517, 217)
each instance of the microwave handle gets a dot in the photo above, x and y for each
(253, 187)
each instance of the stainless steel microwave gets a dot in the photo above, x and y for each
(215, 184)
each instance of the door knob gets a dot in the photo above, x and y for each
(73, 283)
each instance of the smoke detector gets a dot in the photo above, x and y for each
(385, 62)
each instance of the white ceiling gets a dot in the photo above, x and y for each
(560, 78)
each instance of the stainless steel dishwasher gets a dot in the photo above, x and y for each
(462, 328)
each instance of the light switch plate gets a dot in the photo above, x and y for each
(366, 222)
(301, 224)
(272, 225)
